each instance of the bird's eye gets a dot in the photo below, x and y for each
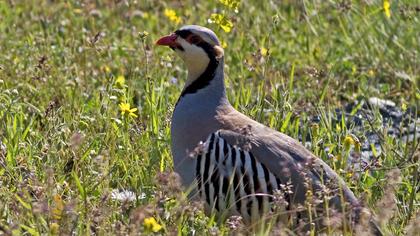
(194, 39)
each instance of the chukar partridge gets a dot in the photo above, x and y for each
(242, 167)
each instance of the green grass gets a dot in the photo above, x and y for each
(66, 146)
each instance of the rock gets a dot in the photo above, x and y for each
(387, 108)
(380, 103)
(400, 125)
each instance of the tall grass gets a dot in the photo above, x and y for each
(66, 151)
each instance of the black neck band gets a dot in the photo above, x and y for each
(205, 78)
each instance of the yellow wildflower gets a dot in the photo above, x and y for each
(264, 51)
(126, 110)
(353, 69)
(309, 194)
(371, 73)
(107, 69)
(58, 207)
(404, 106)
(232, 4)
(348, 141)
(387, 8)
(151, 224)
(221, 21)
(337, 158)
(224, 44)
(143, 34)
(171, 14)
(120, 82)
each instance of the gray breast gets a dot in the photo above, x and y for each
(232, 181)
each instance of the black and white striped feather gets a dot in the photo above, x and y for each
(232, 181)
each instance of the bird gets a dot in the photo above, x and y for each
(235, 164)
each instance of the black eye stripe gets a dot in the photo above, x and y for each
(195, 39)
(192, 38)
(183, 33)
(207, 47)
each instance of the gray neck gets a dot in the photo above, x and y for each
(194, 119)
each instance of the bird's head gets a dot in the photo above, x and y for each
(196, 45)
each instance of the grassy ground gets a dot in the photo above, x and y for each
(65, 146)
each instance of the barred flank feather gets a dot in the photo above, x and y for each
(232, 179)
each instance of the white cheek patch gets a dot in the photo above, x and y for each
(190, 50)
(194, 57)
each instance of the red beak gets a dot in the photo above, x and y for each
(168, 40)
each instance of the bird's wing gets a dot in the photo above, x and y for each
(292, 164)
